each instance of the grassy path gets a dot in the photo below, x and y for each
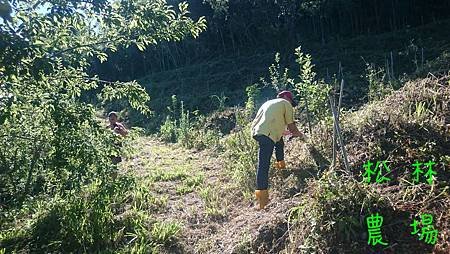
(194, 201)
(182, 181)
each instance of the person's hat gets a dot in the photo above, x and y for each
(113, 113)
(289, 95)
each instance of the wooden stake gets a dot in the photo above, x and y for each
(334, 127)
(333, 162)
(422, 59)
(338, 132)
(340, 98)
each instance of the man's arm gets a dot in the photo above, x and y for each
(294, 130)
(121, 129)
(289, 118)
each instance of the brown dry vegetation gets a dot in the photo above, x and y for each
(411, 124)
(313, 209)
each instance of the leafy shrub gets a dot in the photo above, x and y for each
(55, 141)
(313, 92)
(168, 131)
(57, 150)
(279, 79)
(253, 92)
(379, 86)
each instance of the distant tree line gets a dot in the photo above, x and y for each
(241, 27)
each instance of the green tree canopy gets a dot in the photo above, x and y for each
(51, 139)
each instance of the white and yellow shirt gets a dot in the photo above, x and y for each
(272, 118)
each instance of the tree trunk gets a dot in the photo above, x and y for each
(377, 16)
(394, 16)
(31, 170)
(322, 31)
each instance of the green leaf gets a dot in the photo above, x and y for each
(140, 46)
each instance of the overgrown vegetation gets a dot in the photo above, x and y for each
(392, 129)
(59, 190)
(188, 130)
(330, 217)
(65, 62)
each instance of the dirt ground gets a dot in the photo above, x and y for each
(238, 228)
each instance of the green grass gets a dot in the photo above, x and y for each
(99, 217)
(215, 202)
(190, 184)
(165, 232)
(142, 198)
(171, 173)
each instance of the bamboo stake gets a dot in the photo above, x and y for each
(340, 98)
(333, 162)
(338, 131)
(334, 127)
(422, 58)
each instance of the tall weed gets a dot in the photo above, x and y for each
(188, 128)
(241, 149)
(379, 85)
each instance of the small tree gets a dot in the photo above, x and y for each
(279, 78)
(313, 92)
(55, 141)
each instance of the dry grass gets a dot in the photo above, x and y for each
(411, 124)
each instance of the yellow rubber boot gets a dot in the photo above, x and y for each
(263, 198)
(280, 165)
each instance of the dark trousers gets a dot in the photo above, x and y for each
(266, 146)
(279, 150)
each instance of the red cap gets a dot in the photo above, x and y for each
(289, 95)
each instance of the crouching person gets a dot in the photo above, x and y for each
(119, 129)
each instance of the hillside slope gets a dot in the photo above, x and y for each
(313, 210)
(414, 51)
